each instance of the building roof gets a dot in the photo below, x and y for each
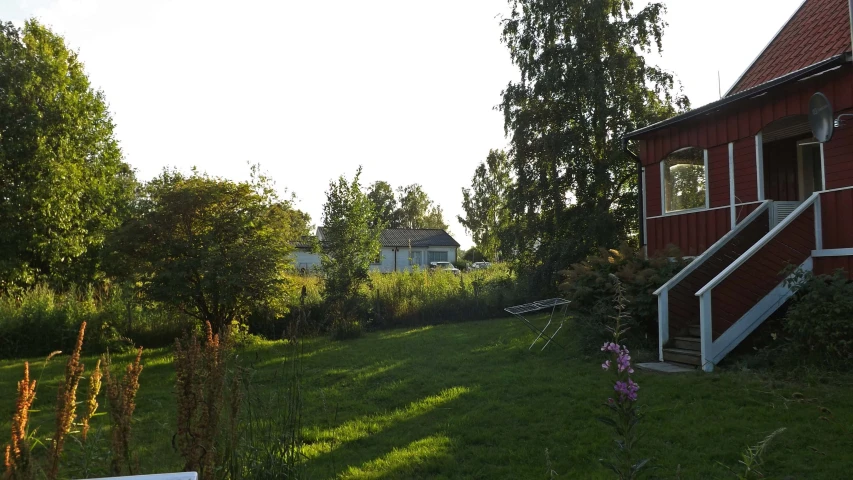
(416, 237)
(818, 30)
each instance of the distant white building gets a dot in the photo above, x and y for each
(401, 249)
(305, 259)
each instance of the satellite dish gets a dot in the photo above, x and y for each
(820, 117)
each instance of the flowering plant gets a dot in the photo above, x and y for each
(624, 415)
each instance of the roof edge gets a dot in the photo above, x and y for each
(813, 69)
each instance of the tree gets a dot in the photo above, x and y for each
(384, 203)
(350, 244)
(212, 248)
(583, 84)
(484, 203)
(62, 179)
(417, 210)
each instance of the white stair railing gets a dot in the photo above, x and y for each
(663, 292)
(713, 351)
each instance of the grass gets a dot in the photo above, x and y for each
(470, 401)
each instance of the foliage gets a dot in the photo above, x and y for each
(62, 179)
(588, 286)
(583, 84)
(116, 321)
(211, 248)
(18, 459)
(817, 323)
(121, 403)
(384, 204)
(624, 412)
(411, 402)
(484, 203)
(753, 457)
(350, 243)
(200, 384)
(421, 297)
(416, 210)
(66, 404)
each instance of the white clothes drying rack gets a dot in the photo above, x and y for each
(519, 311)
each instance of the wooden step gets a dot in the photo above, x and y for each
(680, 355)
(687, 343)
(694, 331)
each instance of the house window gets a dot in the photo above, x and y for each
(685, 178)
(417, 258)
(437, 256)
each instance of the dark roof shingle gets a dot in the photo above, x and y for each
(819, 30)
(419, 237)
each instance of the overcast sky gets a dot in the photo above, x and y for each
(312, 89)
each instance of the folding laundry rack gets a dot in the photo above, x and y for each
(520, 311)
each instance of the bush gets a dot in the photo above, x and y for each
(818, 324)
(40, 320)
(588, 287)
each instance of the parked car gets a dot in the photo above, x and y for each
(480, 265)
(444, 266)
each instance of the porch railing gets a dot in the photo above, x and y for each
(703, 268)
(751, 288)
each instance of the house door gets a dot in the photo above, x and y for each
(810, 166)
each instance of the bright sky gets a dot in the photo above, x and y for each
(310, 90)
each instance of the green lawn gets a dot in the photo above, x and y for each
(470, 401)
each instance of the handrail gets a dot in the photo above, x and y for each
(713, 248)
(759, 244)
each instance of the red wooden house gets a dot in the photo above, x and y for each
(742, 185)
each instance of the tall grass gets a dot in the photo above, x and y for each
(40, 320)
(420, 297)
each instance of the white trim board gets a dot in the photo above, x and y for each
(833, 252)
(713, 248)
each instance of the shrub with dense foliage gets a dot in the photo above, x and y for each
(350, 243)
(818, 322)
(211, 248)
(588, 286)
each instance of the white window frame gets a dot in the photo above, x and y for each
(664, 212)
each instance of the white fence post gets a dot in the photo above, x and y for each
(706, 340)
(663, 321)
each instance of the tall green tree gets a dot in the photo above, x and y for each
(384, 203)
(214, 249)
(583, 83)
(417, 210)
(350, 243)
(484, 203)
(63, 183)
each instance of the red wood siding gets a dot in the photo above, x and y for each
(838, 157)
(781, 178)
(718, 176)
(692, 233)
(828, 265)
(837, 222)
(653, 195)
(747, 117)
(746, 176)
(738, 293)
(743, 211)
